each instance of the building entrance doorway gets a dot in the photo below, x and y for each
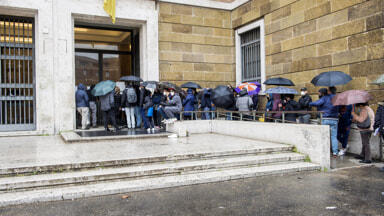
(103, 54)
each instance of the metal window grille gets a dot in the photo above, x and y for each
(250, 56)
(17, 74)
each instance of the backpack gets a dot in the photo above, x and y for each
(131, 96)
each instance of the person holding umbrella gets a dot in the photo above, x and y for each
(107, 105)
(330, 116)
(366, 119)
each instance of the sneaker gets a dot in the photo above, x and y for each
(173, 120)
(149, 130)
(341, 152)
(165, 120)
(153, 129)
(334, 155)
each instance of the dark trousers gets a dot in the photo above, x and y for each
(366, 150)
(149, 121)
(186, 117)
(142, 111)
(342, 135)
(109, 115)
(156, 118)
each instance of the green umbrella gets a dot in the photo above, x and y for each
(103, 88)
(379, 80)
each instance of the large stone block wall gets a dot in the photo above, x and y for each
(196, 44)
(307, 37)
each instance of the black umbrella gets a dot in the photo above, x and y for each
(172, 85)
(222, 96)
(131, 78)
(191, 85)
(331, 78)
(279, 81)
(150, 84)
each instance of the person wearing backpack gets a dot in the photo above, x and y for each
(129, 100)
(365, 122)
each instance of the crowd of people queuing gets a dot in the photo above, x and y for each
(151, 108)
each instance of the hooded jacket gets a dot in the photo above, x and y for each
(206, 99)
(276, 102)
(189, 102)
(269, 105)
(379, 118)
(81, 96)
(324, 104)
(244, 102)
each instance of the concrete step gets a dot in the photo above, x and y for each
(55, 167)
(145, 170)
(130, 185)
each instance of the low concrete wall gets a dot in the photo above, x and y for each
(313, 140)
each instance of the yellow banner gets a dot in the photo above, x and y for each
(110, 7)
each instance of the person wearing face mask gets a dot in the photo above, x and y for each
(304, 101)
(173, 105)
(366, 114)
(330, 116)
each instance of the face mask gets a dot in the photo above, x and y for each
(164, 93)
(172, 93)
(302, 93)
(320, 96)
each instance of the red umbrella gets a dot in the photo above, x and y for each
(351, 97)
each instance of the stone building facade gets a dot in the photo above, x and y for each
(200, 40)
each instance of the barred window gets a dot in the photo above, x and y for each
(250, 56)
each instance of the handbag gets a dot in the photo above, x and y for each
(150, 112)
(365, 124)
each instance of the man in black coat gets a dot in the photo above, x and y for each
(304, 101)
(379, 122)
(290, 105)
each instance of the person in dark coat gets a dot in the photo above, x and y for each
(141, 103)
(379, 123)
(269, 107)
(82, 106)
(304, 101)
(290, 105)
(188, 104)
(92, 106)
(156, 99)
(206, 104)
(147, 104)
(117, 106)
(330, 116)
(255, 100)
(343, 127)
(107, 103)
(137, 108)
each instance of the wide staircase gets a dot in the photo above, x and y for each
(94, 178)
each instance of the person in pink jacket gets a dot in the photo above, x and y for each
(276, 102)
(365, 133)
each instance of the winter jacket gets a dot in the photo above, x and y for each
(244, 102)
(81, 96)
(141, 97)
(276, 102)
(379, 118)
(189, 102)
(107, 101)
(90, 95)
(124, 99)
(291, 105)
(304, 103)
(255, 100)
(206, 99)
(363, 116)
(147, 103)
(269, 105)
(174, 101)
(156, 98)
(324, 104)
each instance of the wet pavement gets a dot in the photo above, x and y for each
(354, 191)
(122, 132)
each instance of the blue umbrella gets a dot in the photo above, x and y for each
(103, 88)
(279, 81)
(331, 78)
(281, 90)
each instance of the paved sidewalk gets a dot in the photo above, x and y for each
(50, 150)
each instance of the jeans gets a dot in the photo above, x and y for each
(206, 115)
(92, 113)
(149, 121)
(138, 116)
(130, 114)
(333, 127)
(170, 111)
(342, 135)
(305, 118)
(162, 113)
(142, 111)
